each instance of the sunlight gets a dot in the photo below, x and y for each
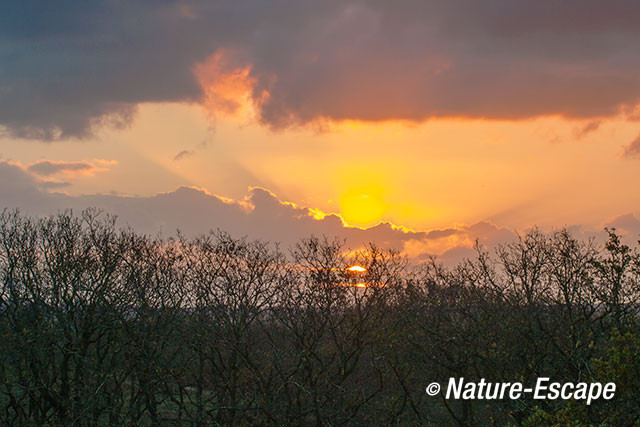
(362, 209)
(356, 269)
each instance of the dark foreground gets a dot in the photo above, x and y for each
(100, 326)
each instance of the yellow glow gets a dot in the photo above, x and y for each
(357, 269)
(316, 213)
(362, 208)
(356, 285)
(436, 174)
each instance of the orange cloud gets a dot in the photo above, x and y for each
(227, 87)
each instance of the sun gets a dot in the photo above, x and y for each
(362, 208)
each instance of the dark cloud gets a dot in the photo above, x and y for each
(633, 149)
(70, 66)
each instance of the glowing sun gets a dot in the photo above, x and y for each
(362, 208)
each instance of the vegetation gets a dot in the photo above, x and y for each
(104, 326)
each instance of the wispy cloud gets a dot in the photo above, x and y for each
(587, 129)
(190, 152)
(47, 168)
(633, 149)
(182, 154)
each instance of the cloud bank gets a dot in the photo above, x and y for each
(68, 67)
(261, 215)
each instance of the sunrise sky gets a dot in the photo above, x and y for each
(419, 124)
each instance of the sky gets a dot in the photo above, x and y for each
(420, 125)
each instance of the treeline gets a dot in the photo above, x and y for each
(105, 326)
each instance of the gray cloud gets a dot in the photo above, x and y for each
(190, 152)
(49, 172)
(70, 66)
(48, 167)
(51, 184)
(260, 216)
(628, 225)
(590, 127)
(181, 155)
(633, 149)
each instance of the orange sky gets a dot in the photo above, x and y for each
(422, 176)
(427, 115)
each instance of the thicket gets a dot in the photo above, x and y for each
(104, 326)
